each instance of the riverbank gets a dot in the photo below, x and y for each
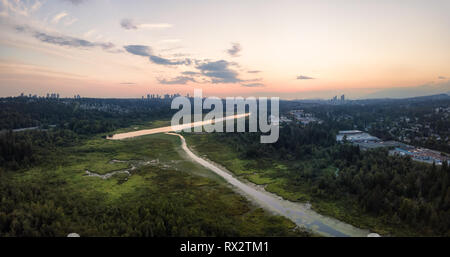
(301, 214)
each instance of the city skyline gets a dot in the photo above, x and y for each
(290, 49)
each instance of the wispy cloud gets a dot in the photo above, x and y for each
(235, 49)
(129, 24)
(191, 73)
(253, 85)
(18, 7)
(128, 83)
(301, 77)
(146, 51)
(180, 80)
(76, 2)
(64, 40)
(253, 71)
(442, 77)
(70, 41)
(59, 16)
(140, 50)
(163, 61)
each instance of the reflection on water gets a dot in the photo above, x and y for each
(300, 213)
(174, 128)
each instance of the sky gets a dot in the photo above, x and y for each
(291, 49)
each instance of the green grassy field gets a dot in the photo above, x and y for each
(166, 195)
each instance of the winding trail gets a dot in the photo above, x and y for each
(299, 213)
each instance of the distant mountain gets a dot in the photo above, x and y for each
(409, 92)
(431, 97)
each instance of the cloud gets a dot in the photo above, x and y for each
(208, 71)
(75, 2)
(59, 16)
(163, 61)
(146, 51)
(140, 50)
(180, 80)
(253, 85)
(64, 16)
(442, 77)
(219, 72)
(191, 73)
(129, 24)
(63, 40)
(301, 77)
(24, 8)
(253, 71)
(235, 49)
(128, 83)
(71, 41)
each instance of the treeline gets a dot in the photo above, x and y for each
(294, 142)
(24, 149)
(83, 116)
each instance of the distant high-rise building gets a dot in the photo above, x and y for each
(342, 98)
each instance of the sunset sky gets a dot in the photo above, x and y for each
(291, 49)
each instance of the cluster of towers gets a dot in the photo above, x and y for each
(156, 96)
(49, 95)
(336, 100)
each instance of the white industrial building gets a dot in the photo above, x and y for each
(355, 136)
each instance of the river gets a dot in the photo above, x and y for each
(299, 213)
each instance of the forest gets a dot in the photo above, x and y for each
(398, 196)
(83, 116)
(41, 172)
(45, 192)
(64, 122)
